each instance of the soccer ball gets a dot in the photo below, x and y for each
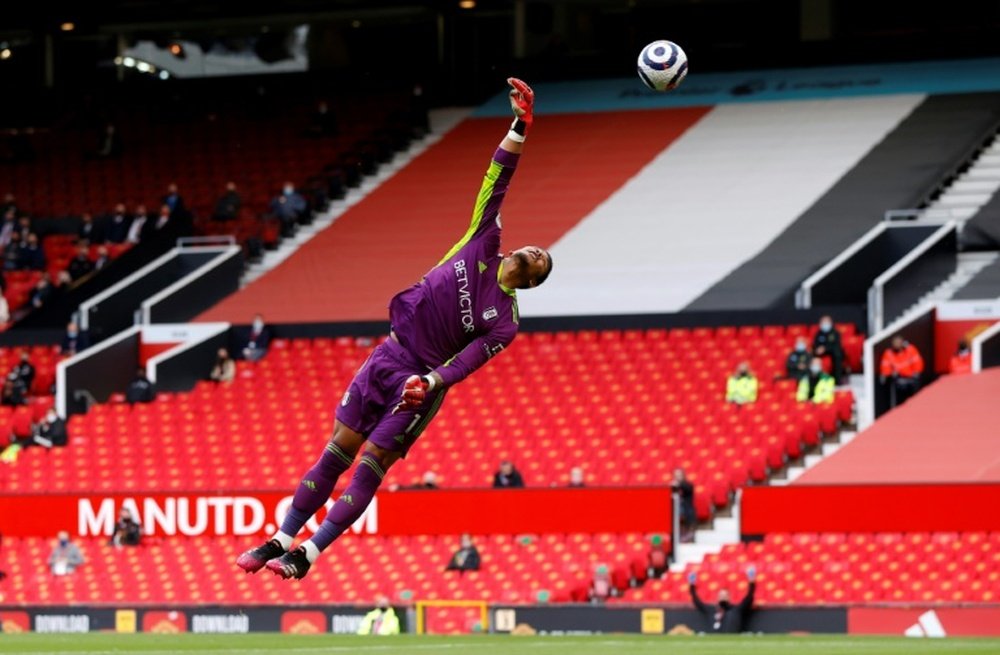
(662, 65)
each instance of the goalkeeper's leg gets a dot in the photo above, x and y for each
(349, 507)
(310, 495)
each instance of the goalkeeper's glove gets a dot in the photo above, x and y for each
(414, 392)
(522, 100)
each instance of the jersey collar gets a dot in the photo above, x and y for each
(510, 292)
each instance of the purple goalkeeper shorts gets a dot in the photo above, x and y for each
(376, 390)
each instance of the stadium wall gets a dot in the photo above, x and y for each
(914, 621)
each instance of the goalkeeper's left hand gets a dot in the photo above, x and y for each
(522, 100)
(414, 392)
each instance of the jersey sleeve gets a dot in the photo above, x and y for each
(479, 351)
(491, 195)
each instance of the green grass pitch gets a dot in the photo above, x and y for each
(269, 644)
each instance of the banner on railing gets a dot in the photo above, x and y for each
(476, 511)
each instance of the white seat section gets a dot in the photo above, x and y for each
(741, 175)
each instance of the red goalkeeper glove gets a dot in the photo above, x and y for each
(522, 100)
(414, 392)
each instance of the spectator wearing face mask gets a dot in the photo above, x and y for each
(288, 207)
(827, 343)
(258, 341)
(74, 340)
(961, 361)
(900, 368)
(797, 364)
(65, 557)
(742, 387)
(725, 616)
(816, 387)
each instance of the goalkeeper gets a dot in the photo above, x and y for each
(462, 313)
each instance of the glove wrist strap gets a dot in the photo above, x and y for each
(431, 383)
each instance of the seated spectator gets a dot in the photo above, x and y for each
(659, 559)
(89, 231)
(32, 255)
(80, 265)
(174, 201)
(12, 253)
(42, 291)
(741, 389)
(380, 621)
(900, 368)
(724, 617)
(961, 361)
(102, 258)
(289, 208)
(127, 531)
(576, 477)
(465, 558)
(797, 364)
(9, 226)
(600, 586)
(4, 312)
(13, 392)
(827, 343)
(507, 477)
(74, 341)
(817, 387)
(119, 224)
(225, 368)
(50, 431)
(140, 389)
(258, 341)
(65, 557)
(24, 227)
(683, 492)
(8, 204)
(24, 370)
(227, 208)
(139, 227)
(429, 481)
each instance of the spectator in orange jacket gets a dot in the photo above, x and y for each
(961, 361)
(901, 367)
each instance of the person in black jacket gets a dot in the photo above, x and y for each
(725, 617)
(465, 558)
(127, 531)
(140, 390)
(827, 343)
(507, 477)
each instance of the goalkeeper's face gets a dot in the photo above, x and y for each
(533, 265)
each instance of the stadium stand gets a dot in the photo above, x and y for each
(281, 408)
(985, 284)
(179, 571)
(836, 568)
(902, 171)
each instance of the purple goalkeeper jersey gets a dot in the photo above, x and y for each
(459, 315)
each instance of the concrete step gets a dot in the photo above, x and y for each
(987, 160)
(983, 173)
(963, 185)
(949, 199)
(724, 530)
(694, 553)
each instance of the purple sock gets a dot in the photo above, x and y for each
(316, 487)
(352, 503)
